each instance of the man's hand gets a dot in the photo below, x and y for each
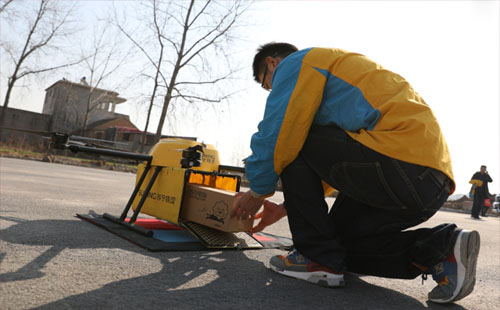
(271, 214)
(245, 206)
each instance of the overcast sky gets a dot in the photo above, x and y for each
(447, 50)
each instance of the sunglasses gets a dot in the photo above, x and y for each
(264, 78)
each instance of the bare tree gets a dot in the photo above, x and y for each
(45, 25)
(209, 24)
(191, 41)
(102, 59)
(156, 62)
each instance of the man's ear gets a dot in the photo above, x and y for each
(274, 62)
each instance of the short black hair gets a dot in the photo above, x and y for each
(272, 49)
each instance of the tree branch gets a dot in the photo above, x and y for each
(211, 42)
(48, 69)
(4, 5)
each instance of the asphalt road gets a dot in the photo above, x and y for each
(51, 260)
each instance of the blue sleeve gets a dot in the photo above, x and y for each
(260, 169)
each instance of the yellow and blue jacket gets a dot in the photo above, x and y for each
(324, 86)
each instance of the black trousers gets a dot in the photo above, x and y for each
(478, 203)
(380, 197)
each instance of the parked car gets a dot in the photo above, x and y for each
(496, 204)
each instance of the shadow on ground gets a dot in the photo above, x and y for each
(236, 282)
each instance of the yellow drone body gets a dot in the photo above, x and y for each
(167, 177)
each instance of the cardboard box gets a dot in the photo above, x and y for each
(212, 207)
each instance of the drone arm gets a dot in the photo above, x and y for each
(93, 150)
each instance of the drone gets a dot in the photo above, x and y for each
(162, 174)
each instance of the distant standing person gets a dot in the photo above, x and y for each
(480, 190)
